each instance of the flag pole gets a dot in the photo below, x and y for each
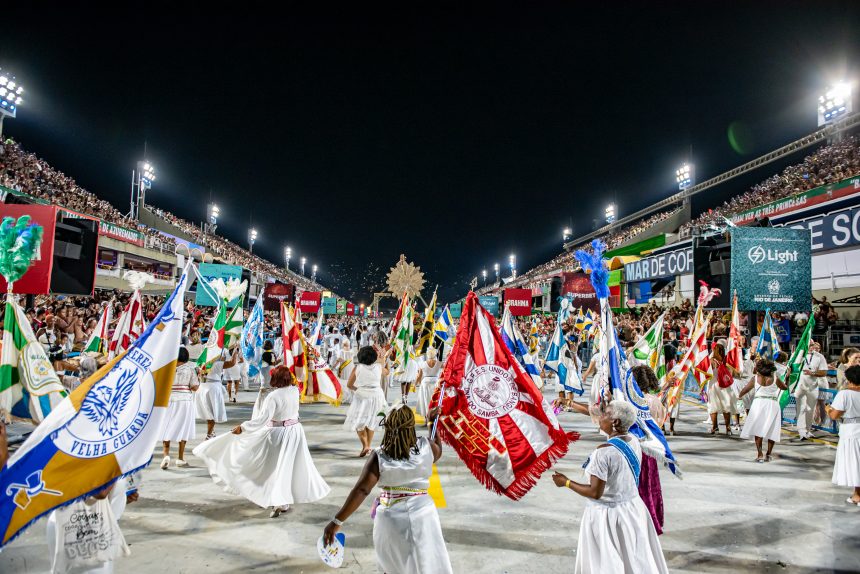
(438, 413)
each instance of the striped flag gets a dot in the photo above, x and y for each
(128, 328)
(234, 324)
(493, 416)
(443, 324)
(650, 349)
(105, 429)
(559, 361)
(796, 362)
(29, 386)
(98, 341)
(734, 348)
(516, 344)
(403, 341)
(323, 384)
(426, 337)
(696, 360)
(768, 342)
(214, 347)
(295, 352)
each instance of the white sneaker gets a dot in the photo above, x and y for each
(165, 462)
(181, 462)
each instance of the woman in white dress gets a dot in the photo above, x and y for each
(721, 399)
(209, 400)
(179, 425)
(266, 459)
(269, 361)
(233, 374)
(845, 408)
(407, 534)
(368, 398)
(344, 369)
(428, 376)
(616, 534)
(764, 421)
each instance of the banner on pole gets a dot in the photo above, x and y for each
(772, 269)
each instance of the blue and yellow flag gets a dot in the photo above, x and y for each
(443, 325)
(105, 429)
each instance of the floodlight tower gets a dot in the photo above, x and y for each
(252, 239)
(141, 180)
(610, 213)
(288, 253)
(512, 261)
(835, 103)
(685, 175)
(10, 97)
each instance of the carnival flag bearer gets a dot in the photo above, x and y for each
(266, 459)
(845, 408)
(179, 425)
(407, 534)
(764, 421)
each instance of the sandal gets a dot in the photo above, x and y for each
(850, 500)
(713, 431)
(364, 452)
(768, 458)
(759, 459)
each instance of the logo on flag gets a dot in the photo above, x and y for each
(491, 390)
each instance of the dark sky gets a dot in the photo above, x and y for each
(453, 132)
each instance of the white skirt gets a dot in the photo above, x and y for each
(747, 399)
(364, 409)
(271, 466)
(179, 423)
(618, 538)
(408, 538)
(764, 420)
(425, 395)
(846, 469)
(209, 401)
(721, 400)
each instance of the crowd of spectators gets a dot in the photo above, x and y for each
(828, 164)
(27, 173)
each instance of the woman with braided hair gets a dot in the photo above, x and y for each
(407, 534)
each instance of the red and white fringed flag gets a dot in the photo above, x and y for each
(129, 327)
(734, 348)
(492, 413)
(295, 357)
(323, 384)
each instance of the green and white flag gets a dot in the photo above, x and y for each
(215, 343)
(233, 326)
(650, 349)
(796, 362)
(403, 340)
(98, 342)
(29, 386)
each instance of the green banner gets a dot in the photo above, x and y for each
(456, 310)
(490, 303)
(209, 272)
(772, 268)
(341, 306)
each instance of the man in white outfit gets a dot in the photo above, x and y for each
(813, 376)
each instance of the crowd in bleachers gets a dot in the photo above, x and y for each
(29, 174)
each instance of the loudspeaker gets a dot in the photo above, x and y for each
(75, 250)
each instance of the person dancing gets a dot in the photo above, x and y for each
(407, 534)
(209, 399)
(266, 459)
(179, 425)
(368, 399)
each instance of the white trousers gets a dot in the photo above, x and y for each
(806, 399)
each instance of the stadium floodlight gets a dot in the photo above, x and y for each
(496, 269)
(213, 212)
(566, 233)
(684, 176)
(10, 97)
(484, 275)
(303, 261)
(835, 103)
(610, 213)
(287, 254)
(252, 238)
(314, 274)
(512, 261)
(141, 180)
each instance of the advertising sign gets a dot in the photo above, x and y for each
(329, 305)
(456, 310)
(490, 303)
(341, 306)
(519, 300)
(772, 269)
(833, 231)
(121, 233)
(310, 301)
(350, 309)
(803, 200)
(579, 286)
(276, 292)
(669, 264)
(209, 272)
(37, 279)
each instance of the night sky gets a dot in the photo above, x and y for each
(453, 133)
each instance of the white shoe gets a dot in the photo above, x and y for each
(278, 510)
(165, 462)
(181, 462)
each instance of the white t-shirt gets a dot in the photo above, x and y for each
(848, 402)
(814, 361)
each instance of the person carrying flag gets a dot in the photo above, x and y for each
(812, 378)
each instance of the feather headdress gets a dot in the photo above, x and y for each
(137, 279)
(230, 289)
(19, 244)
(593, 263)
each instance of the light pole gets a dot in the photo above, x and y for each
(314, 275)
(835, 103)
(565, 234)
(303, 261)
(610, 213)
(10, 97)
(287, 254)
(484, 273)
(684, 176)
(213, 212)
(496, 269)
(141, 180)
(512, 259)
(252, 238)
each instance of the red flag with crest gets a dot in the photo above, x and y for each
(493, 415)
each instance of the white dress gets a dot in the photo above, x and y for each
(721, 400)
(846, 469)
(765, 416)
(209, 399)
(368, 400)
(269, 463)
(407, 534)
(430, 376)
(179, 422)
(616, 534)
(343, 370)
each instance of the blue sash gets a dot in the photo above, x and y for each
(629, 455)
